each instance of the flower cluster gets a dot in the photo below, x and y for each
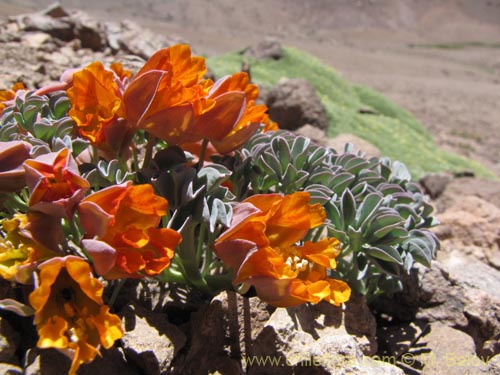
(108, 175)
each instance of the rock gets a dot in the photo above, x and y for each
(134, 39)
(284, 348)
(52, 362)
(9, 341)
(112, 362)
(395, 340)
(222, 334)
(36, 39)
(293, 103)
(482, 302)
(445, 356)
(55, 11)
(150, 341)
(268, 48)
(313, 133)
(339, 143)
(488, 190)
(473, 226)
(494, 365)
(434, 184)
(60, 28)
(440, 299)
(45, 362)
(90, 32)
(9, 369)
(452, 293)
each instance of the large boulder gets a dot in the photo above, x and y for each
(294, 102)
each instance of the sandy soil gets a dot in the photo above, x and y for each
(379, 43)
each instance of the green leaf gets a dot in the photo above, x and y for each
(367, 209)
(348, 207)
(384, 252)
(16, 307)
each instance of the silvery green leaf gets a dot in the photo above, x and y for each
(316, 157)
(334, 215)
(354, 238)
(400, 172)
(29, 115)
(341, 181)
(61, 106)
(355, 165)
(273, 161)
(348, 207)
(384, 252)
(43, 131)
(319, 193)
(408, 262)
(367, 208)
(282, 151)
(16, 307)
(359, 189)
(214, 175)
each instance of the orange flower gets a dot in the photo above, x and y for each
(122, 235)
(7, 96)
(69, 310)
(97, 107)
(167, 96)
(264, 246)
(55, 183)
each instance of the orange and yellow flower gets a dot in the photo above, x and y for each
(121, 231)
(55, 183)
(19, 252)
(97, 107)
(69, 311)
(264, 246)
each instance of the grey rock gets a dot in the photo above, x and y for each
(293, 103)
(150, 341)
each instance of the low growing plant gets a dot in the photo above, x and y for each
(107, 176)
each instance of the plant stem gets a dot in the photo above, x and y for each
(149, 150)
(116, 291)
(203, 152)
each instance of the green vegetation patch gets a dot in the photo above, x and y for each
(357, 110)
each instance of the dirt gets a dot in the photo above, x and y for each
(399, 47)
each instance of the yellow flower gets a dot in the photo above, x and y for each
(69, 310)
(19, 252)
(265, 248)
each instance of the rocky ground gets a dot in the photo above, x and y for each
(447, 322)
